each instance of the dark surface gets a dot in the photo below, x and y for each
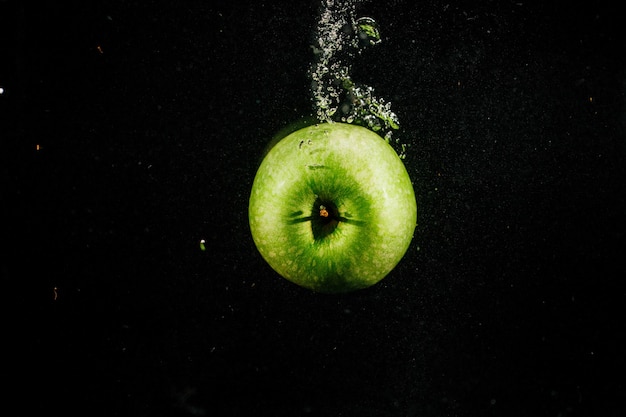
(509, 302)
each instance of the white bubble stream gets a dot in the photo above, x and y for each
(337, 98)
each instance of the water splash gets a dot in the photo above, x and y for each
(341, 36)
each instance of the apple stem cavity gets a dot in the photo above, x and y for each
(324, 218)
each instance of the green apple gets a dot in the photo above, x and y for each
(332, 208)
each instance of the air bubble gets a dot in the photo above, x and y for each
(367, 30)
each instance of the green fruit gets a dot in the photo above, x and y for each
(332, 208)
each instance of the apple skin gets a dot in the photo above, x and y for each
(332, 208)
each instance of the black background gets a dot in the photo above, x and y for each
(132, 130)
